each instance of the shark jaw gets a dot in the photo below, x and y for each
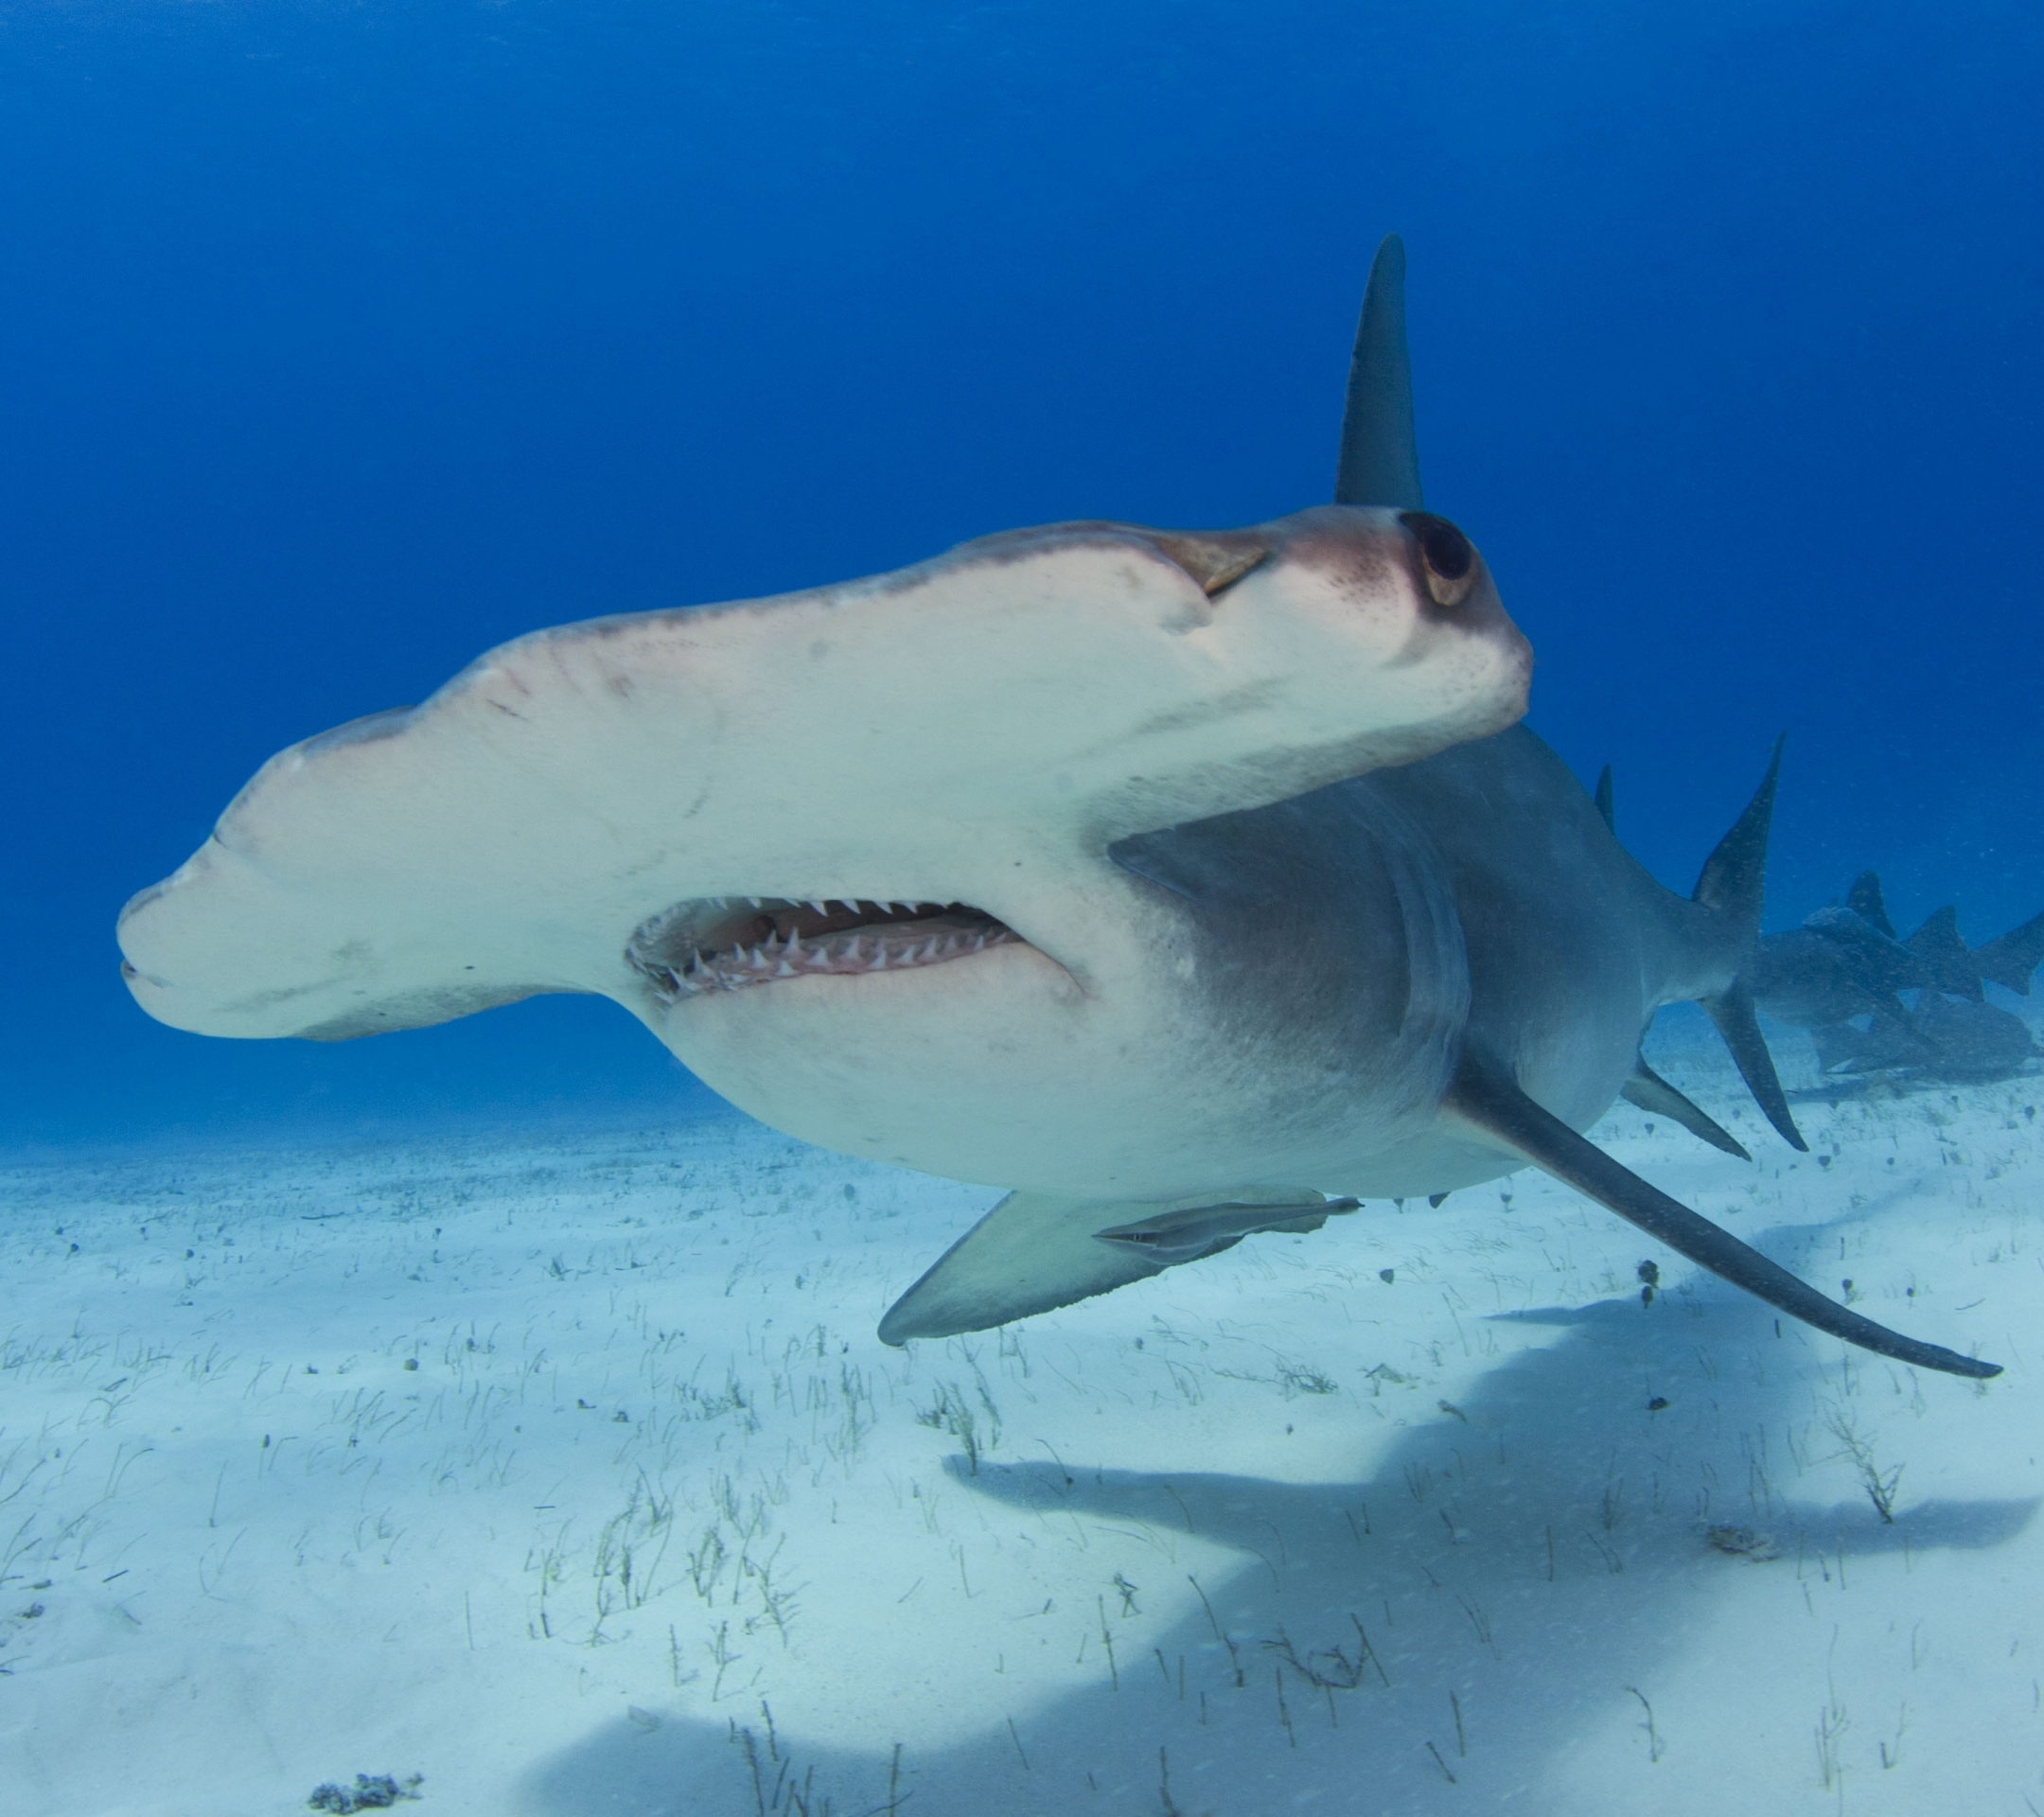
(697, 947)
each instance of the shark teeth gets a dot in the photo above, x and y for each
(903, 937)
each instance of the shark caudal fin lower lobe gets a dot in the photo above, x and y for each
(1734, 884)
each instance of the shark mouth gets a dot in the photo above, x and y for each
(727, 943)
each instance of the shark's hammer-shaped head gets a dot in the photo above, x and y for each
(824, 799)
(850, 853)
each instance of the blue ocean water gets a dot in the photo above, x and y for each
(343, 340)
(341, 1385)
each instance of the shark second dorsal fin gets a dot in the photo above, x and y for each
(1380, 452)
(1488, 1102)
(1605, 802)
(1649, 1092)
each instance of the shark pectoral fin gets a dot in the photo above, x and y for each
(1649, 1092)
(1737, 1021)
(1035, 1251)
(1489, 1103)
(1032, 1252)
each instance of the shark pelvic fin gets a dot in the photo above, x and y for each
(1485, 1098)
(1649, 1092)
(1379, 452)
(1035, 1251)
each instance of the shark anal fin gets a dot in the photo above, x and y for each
(1487, 1100)
(1035, 1251)
(1649, 1092)
(1739, 1023)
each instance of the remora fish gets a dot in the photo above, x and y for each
(1113, 865)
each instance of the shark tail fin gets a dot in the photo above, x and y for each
(1951, 965)
(2009, 959)
(1734, 883)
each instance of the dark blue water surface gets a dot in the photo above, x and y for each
(340, 342)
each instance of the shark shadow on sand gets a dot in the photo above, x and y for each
(1512, 1562)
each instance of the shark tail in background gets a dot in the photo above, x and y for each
(2010, 960)
(1951, 965)
(1734, 884)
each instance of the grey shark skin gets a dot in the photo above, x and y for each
(1941, 1037)
(1835, 966)
(1444, 970)
(1178, 881)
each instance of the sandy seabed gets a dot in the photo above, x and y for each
(568, 1476)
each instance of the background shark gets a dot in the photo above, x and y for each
(1176, 879)
(1839, 974)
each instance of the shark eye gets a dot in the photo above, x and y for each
(1448, 559)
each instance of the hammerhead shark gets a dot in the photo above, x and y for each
(1189, 884)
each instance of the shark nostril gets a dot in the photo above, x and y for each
(1448, 559)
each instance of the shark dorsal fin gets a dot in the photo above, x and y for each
(1380, 457)
(1865, 900)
